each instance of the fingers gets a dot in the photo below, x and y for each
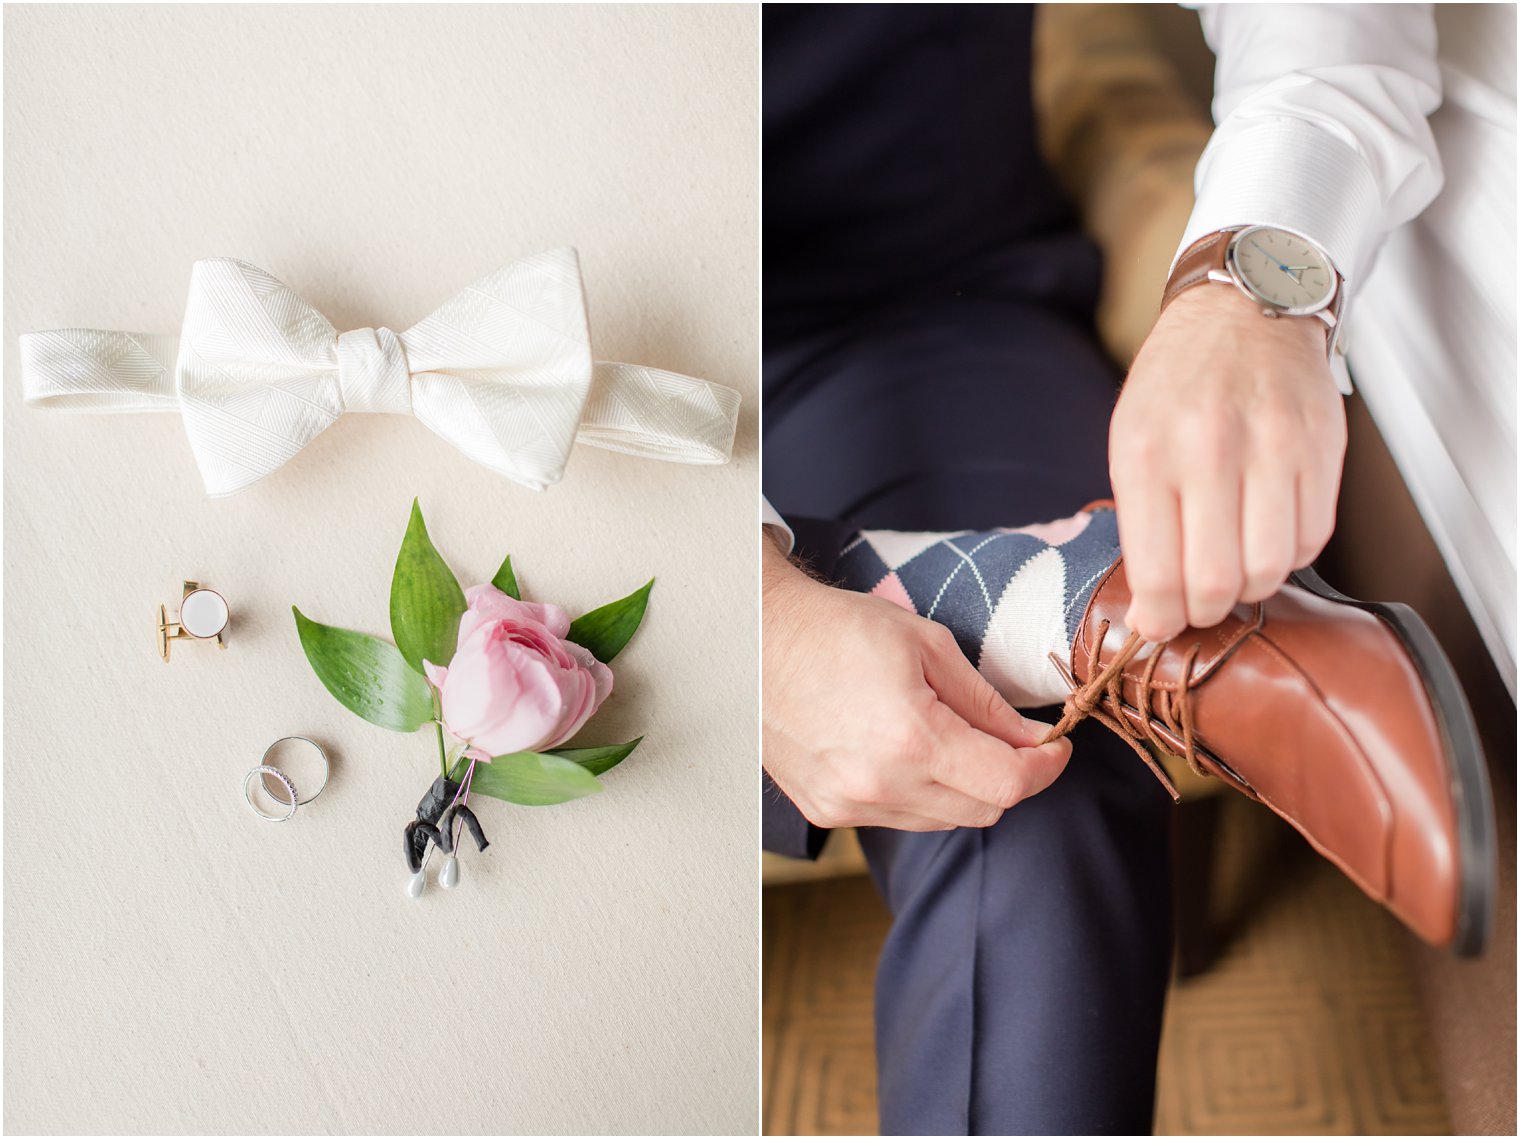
(1268, 533)
(1150, 533)
(849, 814)
(966, 692)
(981, 748)
(956, 809)
(946, 808)
(988, 770)
(1211, 550)
(907, 821)
(988, 777)
(1239, 541)
(1316, 515)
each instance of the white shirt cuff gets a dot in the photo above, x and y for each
(772, 521)
(1289, 173)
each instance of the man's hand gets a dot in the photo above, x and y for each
(874, 717)
(1225, 454)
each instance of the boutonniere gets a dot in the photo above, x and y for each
(507, 681)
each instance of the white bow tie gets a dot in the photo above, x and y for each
(503, 372)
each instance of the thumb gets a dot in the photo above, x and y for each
(966, 692)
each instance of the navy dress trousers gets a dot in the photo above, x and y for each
(930, 364)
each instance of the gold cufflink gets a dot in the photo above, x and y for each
(203, 614)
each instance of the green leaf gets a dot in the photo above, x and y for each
(533, 779)
(506, 581)
(426, 601)
(606, 630)
(598, 760)
(366, 675)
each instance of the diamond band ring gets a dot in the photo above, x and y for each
(282, 791)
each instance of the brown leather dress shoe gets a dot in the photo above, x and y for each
(1343, 717)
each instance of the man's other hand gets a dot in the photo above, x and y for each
(874, 717)
(1225, 454)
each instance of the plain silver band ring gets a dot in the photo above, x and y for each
(265, 769)
(326, 767)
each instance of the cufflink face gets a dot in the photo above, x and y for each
(203, 615)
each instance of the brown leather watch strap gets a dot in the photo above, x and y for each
(1204, 256)
(1208, 255)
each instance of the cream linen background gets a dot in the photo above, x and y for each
(172, 964)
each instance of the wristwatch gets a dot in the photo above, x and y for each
(1281, 272)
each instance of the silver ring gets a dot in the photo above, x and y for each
(265, 769)
(326, 767)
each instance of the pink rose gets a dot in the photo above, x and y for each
(515, 683)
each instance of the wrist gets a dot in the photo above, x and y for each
(784, 585)
(1204, 311)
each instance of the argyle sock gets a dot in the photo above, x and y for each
(1010, 596)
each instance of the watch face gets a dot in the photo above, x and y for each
(1283, 269)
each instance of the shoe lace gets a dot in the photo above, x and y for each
(1102, 698)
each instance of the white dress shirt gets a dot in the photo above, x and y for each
(1330, 122)
(772, 522)
(1327, 124)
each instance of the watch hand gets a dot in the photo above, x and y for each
(1270, 258)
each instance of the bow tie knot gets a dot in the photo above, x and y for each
(372, 371)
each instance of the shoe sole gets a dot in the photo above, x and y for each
(1476, 847)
